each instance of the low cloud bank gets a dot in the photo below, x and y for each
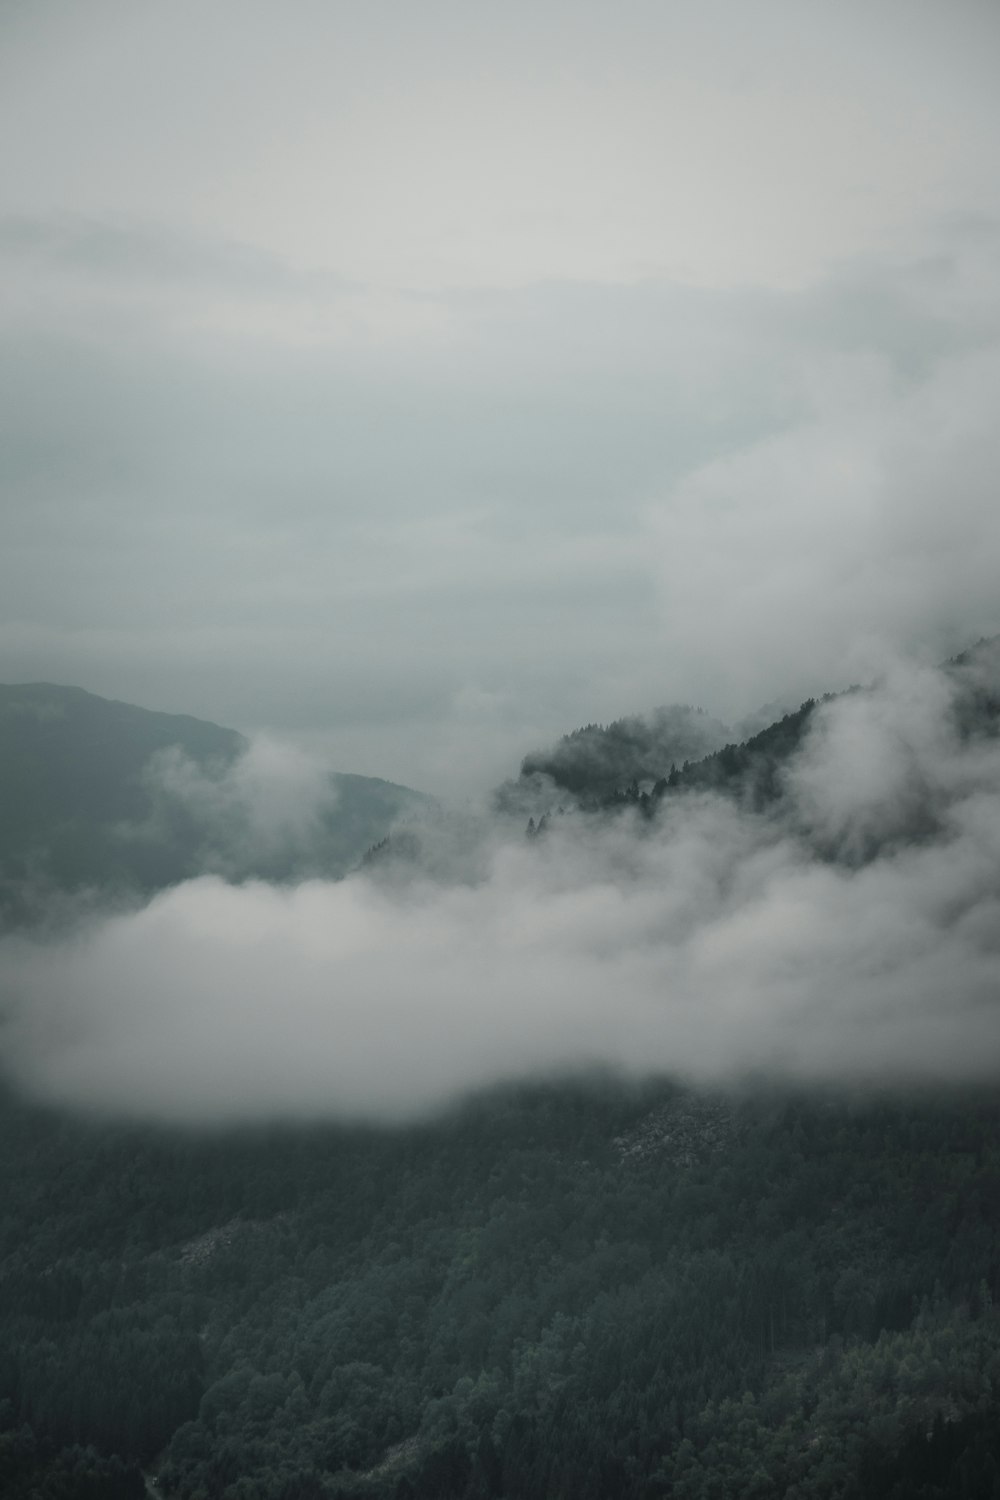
(708, 943)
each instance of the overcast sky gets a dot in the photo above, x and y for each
(425, 380)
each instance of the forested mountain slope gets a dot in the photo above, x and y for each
(597, 759)
(572, 1290)
(616, 766)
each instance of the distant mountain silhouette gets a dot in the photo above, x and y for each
(86, 802)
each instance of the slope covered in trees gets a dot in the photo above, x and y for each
(569, 1291)
(596, 760)
(612, 767)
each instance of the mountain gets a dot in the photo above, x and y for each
(614, 767)
(71, 777)
(100, 794)
(566, 1292)
(597, 759)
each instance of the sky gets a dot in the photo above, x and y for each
(419, 382)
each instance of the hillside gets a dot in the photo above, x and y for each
(106, 796)
(613, 767)
(597, 759)
(567, 1292)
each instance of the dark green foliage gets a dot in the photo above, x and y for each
(402, 847)
(574, 1290)
(638, 762)
(36, 1470)
(608, 773)
(751, 770)
(621, 776)
(594, 761)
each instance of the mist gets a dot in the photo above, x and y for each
(264, 809)
(852, 934)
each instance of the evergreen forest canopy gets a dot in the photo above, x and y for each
(597, 760)
(573, 1290)
(579, 1287)
(639, 761)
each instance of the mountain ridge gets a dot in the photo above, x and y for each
(753, 763)
(97, 792)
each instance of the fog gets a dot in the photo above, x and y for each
(264, 808)
(715, 943)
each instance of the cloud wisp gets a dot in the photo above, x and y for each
(264, 810)
(713, 942)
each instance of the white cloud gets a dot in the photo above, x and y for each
(265, 807)
(873, 523)
(714, 943)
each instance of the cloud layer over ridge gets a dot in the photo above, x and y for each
(713, 943)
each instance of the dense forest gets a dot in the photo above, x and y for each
(598, 759)
(572, 1290)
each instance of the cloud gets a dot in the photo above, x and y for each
(714, 942)
(485, 147)
(869, 523)
(879, 767)
(583, 502)
(126, 251)
(264, 811)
